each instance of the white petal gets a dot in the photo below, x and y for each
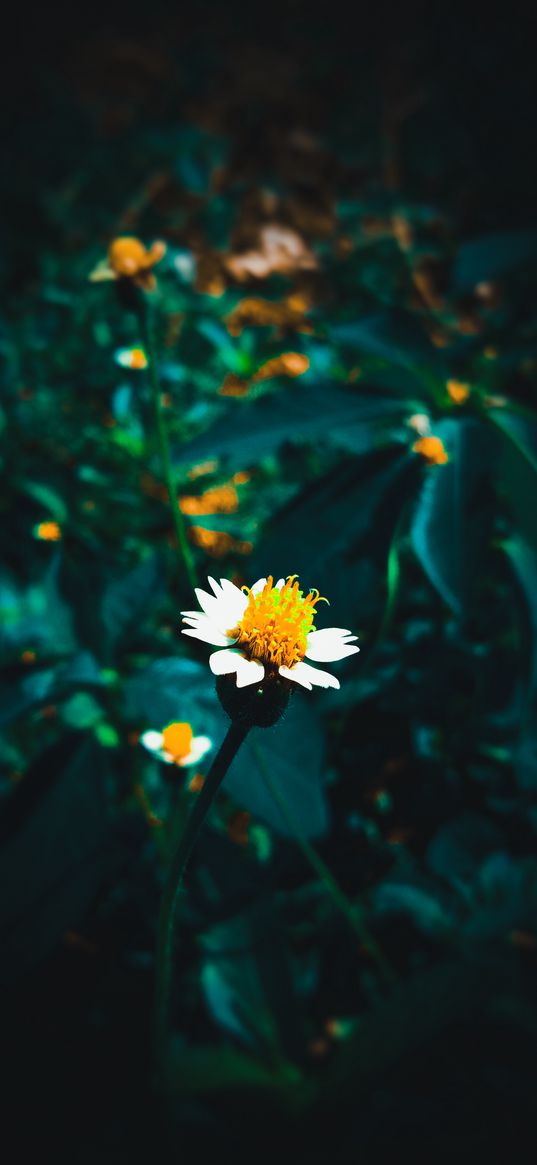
(249, 671)
(208, 633)
(222, 663)
(215, 587)
(236, 601)
(230, 588)
(303, 674)
(199, 747)
(199, 617)
(261, 583)
(200, 622)
(226, 611)
(209, 605)
(152, 740)
(296, 675)
(221, 620)
(329, 644)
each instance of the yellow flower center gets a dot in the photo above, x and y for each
(177, 740)
(276, 623)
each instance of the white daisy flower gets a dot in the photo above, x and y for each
(177, 745)
(265, 629)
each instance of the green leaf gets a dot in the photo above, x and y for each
(45, 684)
(453, 518)
(47, 497)
(56, 852)
(203, 1069)
(35, 616)
(521, 428)
(523, 559)
(250, 429)
(293, 751)
(393, 336)
(128, 599)
(516, 468)
(23, 695)
(336, 534)
(81, 711)
(420, 903)
(174, 688)
(240, 969)
(460, 847)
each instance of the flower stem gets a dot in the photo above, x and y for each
(163, 442)
(164, 955)
(352, 911)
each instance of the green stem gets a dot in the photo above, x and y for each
(164, 956)
(352, 911)
(164, 444)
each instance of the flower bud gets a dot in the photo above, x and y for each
(259, 705)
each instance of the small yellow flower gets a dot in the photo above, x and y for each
(176, 744)
(432, 449)
(458, 391)
(223, 499)
(266, 629)
(129, 259)
(288, 364)
(48, 532)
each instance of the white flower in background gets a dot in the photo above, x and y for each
(421, 424)
(177, 744)
(265, 629)
(134, 358)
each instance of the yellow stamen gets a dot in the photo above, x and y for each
(276, 623)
